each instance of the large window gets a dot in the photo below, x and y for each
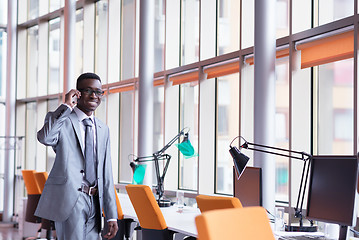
(101, 39)
(190, 31)
(188, 167)
(227, 129)
(54, 57)
(79, 42)
(335, 108)
(3, 43)
(32, 61)
(282, 127)
(126, 141)
(160, 35)
(3, 11)
(128, 39)
(314, 107)
(228, 26)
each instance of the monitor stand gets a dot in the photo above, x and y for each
(164, 202)
(343, 232)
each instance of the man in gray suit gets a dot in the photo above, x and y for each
(77, 191)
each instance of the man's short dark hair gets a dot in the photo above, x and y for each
(87, 75)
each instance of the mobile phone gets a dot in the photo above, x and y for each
(74, 99)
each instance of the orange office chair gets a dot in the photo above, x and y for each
(124, 224)
(207, 203)
(46, 224)
(249, 223)
(33, 195)
(152, 222)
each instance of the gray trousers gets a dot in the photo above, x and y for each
(84, 222)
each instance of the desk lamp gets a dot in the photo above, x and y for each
(185, 147)
(240, 161)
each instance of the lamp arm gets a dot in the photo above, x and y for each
(305, 172)
(301, 193)
(159, 178)
(169, 144)
(304, 156)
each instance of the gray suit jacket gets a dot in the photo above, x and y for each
(62, 131)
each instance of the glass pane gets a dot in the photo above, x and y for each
(158, 118)
(33, 9)
(248, 23)
(173, 8)
(302, 15)
(2, 120)
(54, 56)
(336, 108)
(160, 35)
(282, 18)
(3, 11)
(3, 50)
(189, 119)
(2, 153)
(330, 11)
(227, 129)
(79, 42)
(282, 127)
(31, 141)
(126, 134)
(113, 122)
(208, 29)
(32, 61)
(101, 39)
(190, 31)
(56, 4)
(228, 26)
(128, 39)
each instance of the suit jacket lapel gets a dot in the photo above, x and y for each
(75, 123)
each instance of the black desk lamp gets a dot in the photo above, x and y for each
(184, 147)
(240, 161)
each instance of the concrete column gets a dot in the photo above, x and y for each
(146, 70)
(10, 101)
(264, 94)
(69, 46)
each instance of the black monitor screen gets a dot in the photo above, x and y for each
(248, 187)
(332, 189)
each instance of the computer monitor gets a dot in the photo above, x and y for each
(248, 188)
(332, 190)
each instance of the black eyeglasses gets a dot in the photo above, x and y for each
(89, 91)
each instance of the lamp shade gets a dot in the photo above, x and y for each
(139, 172)
(186, 147)
(240, 160)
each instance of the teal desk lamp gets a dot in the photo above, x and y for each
(139, 170)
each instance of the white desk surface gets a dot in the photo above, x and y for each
(179, 222)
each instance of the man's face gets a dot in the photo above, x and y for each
(90, 95)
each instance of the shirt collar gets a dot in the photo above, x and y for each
(81, 115)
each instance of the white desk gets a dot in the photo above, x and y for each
(179, 222)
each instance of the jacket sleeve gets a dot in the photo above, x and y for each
(48, 134)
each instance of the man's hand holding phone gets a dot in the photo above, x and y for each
(71, 97)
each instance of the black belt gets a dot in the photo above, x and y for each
(91, 191)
